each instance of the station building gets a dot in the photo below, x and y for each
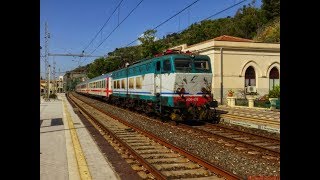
(54, 86)
(239, 64)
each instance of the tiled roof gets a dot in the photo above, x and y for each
(232, 38)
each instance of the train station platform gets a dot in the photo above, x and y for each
(67, 151)
(260, 118)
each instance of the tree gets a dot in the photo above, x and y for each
(149, 44)
(271, 8)
(247, 21)
(270, 33)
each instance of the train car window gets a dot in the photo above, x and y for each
(123, 84)
(158, 66)
(138, 83)
(115, 84)
(131, 82)
(118, 84)
(166, 65)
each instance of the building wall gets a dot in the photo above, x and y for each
(237, 57)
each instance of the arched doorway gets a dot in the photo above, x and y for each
(274, 79)
(250, 77)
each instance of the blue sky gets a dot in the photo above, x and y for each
(74, 23)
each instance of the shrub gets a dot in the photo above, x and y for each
(53, 96)
(275, 92)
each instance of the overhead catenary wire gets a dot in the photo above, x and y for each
(187, 8)
(200, 21)
(103, 26)
(225, 9)
(117, 26)
(168, 19)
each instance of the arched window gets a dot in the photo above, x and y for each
(274, 78)
(250, 77)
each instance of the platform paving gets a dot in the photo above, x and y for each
(258, 113)
(258, 118)
(57, 156)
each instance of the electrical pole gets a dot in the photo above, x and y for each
(47, 66)
(59, 82)
(54, 76)
(40, 74)
(48, 80)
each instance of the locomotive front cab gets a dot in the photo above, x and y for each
(193, 81)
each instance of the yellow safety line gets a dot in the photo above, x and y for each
(81, 161)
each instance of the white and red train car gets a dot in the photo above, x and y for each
(98, 86)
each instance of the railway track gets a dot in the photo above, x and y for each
(150, 156)
(268, 148)
(261, 146)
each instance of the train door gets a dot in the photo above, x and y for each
(158, 84)
(107, 87)
(157, 79)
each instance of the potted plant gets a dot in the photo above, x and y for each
(230, 93)
(274, 95)
(230, 98)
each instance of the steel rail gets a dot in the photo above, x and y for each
(204, 163)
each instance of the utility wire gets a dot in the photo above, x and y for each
(117, 26)
(167, 20)
(224, 10)
(103, 26)
(200, 21)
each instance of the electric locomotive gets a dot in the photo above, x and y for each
(174, 85)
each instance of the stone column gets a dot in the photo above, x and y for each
(231, 101)
(251, 101)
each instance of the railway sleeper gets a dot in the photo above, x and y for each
(167, 160)
(176, 166)
(160, 155)
(155, 151)
(186, 173)
(146, 148)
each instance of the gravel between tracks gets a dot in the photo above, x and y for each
(238, 162)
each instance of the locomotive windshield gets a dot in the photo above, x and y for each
(196, 65)
(183, 65)
(201, 65)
